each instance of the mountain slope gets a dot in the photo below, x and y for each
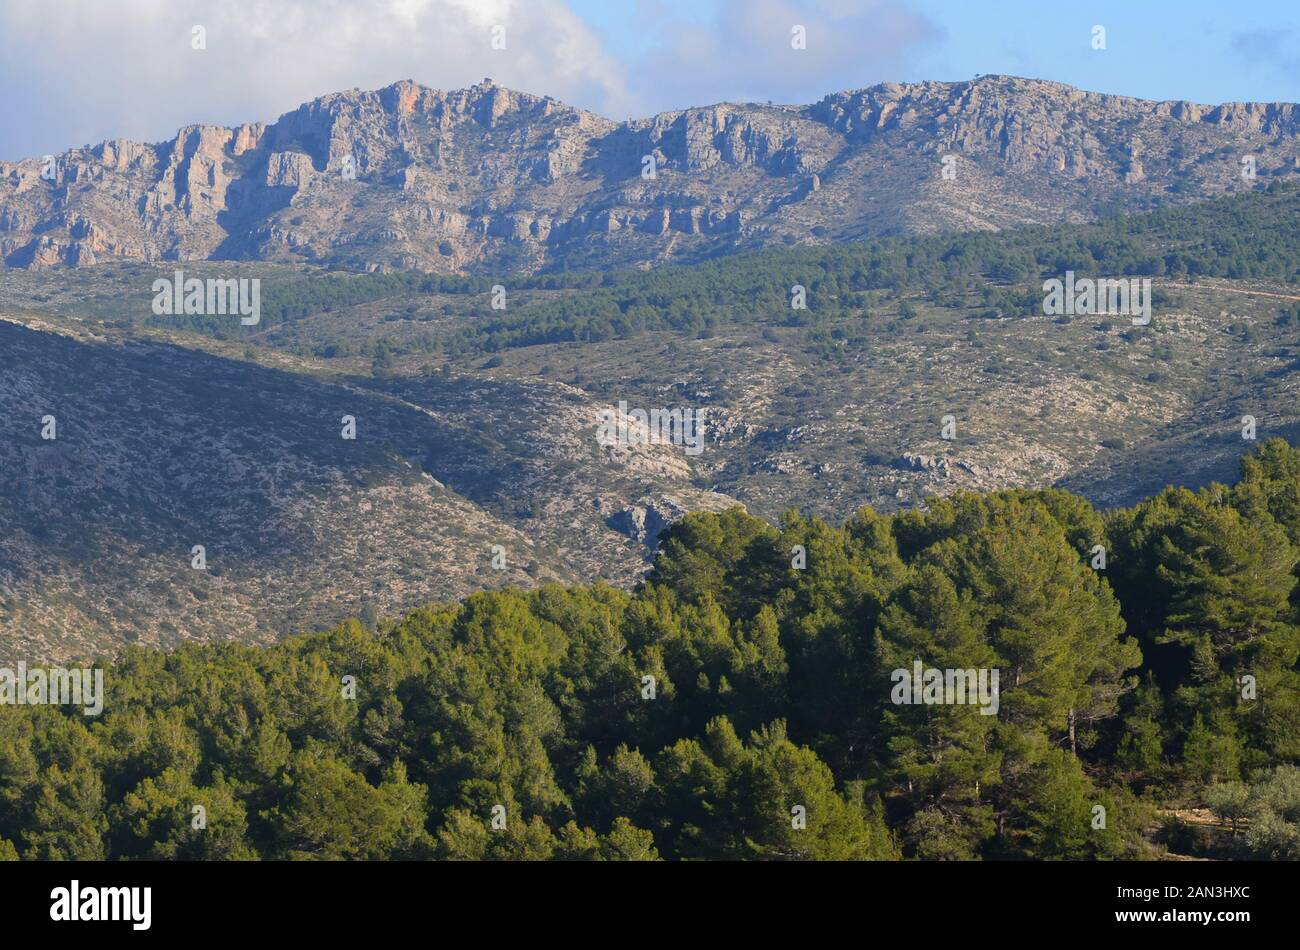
(159, 448)
(478, 427)
(494, 181)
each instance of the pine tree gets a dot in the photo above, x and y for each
(939, 757)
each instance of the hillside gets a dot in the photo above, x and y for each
(159, 448)
(493, 181)
(478, 427)
(740, 705)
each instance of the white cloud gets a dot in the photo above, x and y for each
(745, 52)
(80, 71)
(76, 72)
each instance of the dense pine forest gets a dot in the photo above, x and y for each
(738, 704)
(1249, 236)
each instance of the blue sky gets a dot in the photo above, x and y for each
(1156, 49)
(78, 72)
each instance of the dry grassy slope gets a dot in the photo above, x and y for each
(1034, 400)
(160, 448)
(492, 180)
(167, 440)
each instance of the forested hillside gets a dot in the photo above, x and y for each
(522, 724)
(829, 408)
(1249, 236)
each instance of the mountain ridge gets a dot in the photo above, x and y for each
(488, 178)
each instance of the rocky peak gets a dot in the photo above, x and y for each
(998, 99)
(461, 180)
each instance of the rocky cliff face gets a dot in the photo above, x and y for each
(487, 178)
